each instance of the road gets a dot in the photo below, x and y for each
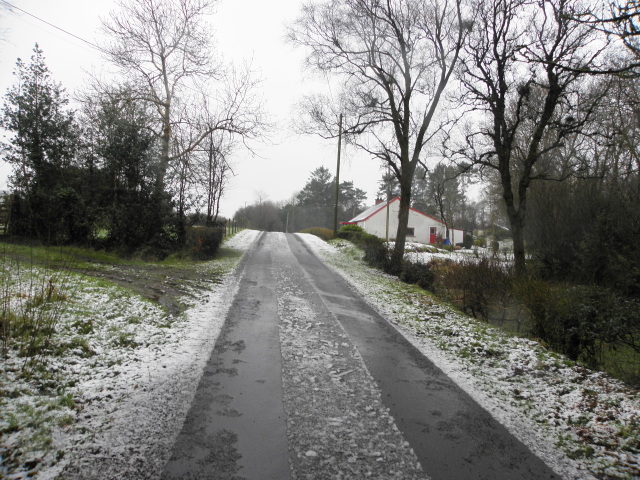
(307, 381)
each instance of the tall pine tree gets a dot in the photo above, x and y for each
(41, 147)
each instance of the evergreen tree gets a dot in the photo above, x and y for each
(351, 200)
(388, 186)
(317, 200)
(41, 148)
(319, 190)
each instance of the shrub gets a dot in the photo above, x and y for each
(163, 244)
(375, 249)
(473, 285)
(421, 274)
(351, 228)
(350, 235)
(581, 321)
(202, 243)
(376, 252)
(323, 233)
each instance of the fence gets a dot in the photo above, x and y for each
(232, 226)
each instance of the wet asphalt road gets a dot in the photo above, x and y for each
(237, 426)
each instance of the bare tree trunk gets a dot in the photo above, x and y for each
(516, 224)
(401, 235)
(165, 153)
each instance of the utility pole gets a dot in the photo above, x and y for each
(388, 197)
(335, 208)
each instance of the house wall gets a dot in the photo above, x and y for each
(376, 225)
(456, 236)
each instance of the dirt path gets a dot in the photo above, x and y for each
(165, 284)
(306, 381)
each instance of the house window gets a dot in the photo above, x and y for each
(411, 232)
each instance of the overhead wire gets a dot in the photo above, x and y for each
(91, 44)
(87, 42)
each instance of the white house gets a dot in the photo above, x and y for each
(422, 228)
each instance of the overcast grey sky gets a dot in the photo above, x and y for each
(243, 29)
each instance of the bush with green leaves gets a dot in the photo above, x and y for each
(421, 274)
(581, 321)
(480, 242)
(376, 252)
(352, 228)
(202, 243)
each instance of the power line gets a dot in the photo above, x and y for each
(93, 45)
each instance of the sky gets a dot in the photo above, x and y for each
(281, 162)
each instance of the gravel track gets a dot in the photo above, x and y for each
(338, 427)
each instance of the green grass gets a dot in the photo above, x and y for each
(88, 259)
(75, 257)
(622, 362)
(36, 420)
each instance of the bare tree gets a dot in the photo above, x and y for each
(393, 60)
(199, 174)
(214, 170)
(164, 47)
(618, 18)
(183, 173)
(523, 70)
(449, 199)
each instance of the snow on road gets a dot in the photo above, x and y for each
(130, 391)
(155, 392)
(338, 426)
(584, 424)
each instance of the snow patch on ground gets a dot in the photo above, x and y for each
(127, 389)
(583, 424)
(420, 253)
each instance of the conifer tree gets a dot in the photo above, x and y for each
(43, 140)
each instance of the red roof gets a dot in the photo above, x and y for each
(371, 211)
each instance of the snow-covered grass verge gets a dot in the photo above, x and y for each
(420, 253)
(584, 424)
(110, 392)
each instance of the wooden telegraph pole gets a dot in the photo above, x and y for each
(335, 208)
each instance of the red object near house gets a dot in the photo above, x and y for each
(433, 234)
